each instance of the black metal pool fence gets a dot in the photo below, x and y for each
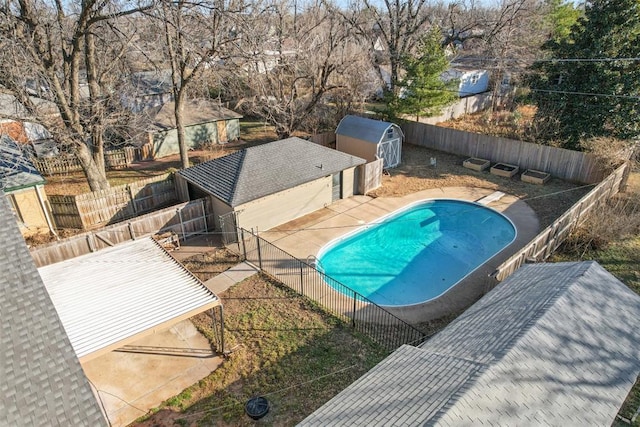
(307, 279)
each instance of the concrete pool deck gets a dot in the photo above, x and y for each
(305, 236)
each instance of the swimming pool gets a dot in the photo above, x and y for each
(418, 253)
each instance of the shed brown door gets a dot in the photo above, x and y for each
(222, 132)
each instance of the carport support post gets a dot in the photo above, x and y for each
(222, 329)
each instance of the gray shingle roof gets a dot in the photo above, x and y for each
(195, 112)
(41, 381)
(555, 344)
(266, 169)
(363, 128)
(16, 170)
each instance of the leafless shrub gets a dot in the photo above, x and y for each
(614, 220)
(610, 152)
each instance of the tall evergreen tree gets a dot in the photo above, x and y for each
(423, 92)
(561, 17)
(593, 89)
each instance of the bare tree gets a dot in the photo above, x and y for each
(293, 63)
(69, 54)
(392, 28)
(198, 36)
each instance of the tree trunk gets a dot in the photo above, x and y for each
(95, 177)
(182, 141)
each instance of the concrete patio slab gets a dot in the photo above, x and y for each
(226, 279)
(132, 380)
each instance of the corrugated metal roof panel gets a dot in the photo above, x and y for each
(108, 296)
(363, 128)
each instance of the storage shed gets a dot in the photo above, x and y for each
(370, 139)
(270, 184)
(205, 123)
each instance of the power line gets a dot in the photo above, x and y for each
(623, 59)
(566, 92)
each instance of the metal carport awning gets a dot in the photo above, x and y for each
(112, 297)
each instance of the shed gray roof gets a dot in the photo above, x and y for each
(41, 381)
(259, 171)
(363, 128)
(195, 112)
(16, 170)
(555, 344)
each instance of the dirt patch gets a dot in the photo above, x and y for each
(415, 173)
(205, 266)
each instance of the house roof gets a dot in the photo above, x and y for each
(106, 297)
(41, 380)
(195, 112)
(153, 82)
(363, 128)
(555, 344)
(16, 170)
(259, 171)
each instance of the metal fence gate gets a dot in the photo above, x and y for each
(228, 225)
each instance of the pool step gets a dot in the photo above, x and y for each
(493, 197)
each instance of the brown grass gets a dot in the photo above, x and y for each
(283, 347)
(516, 124)
(549, 201)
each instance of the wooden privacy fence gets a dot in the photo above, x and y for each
(545, 243)
(185, 219)
(115, 204)
(114, 159)
(325, 139)
(370, 176)
(565, 164)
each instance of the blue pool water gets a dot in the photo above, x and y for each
(418, 253)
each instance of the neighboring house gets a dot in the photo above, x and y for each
(23, 186)
(471, 81)
(103, 308)
(554, 344)
(148, 89)
(205, 123)
(41, 379)
(370, 139)
(16, 122)
(270, 184)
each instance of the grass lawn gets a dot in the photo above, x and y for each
(283, 347)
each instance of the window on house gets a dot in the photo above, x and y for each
(474, 79)
(390, 133)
